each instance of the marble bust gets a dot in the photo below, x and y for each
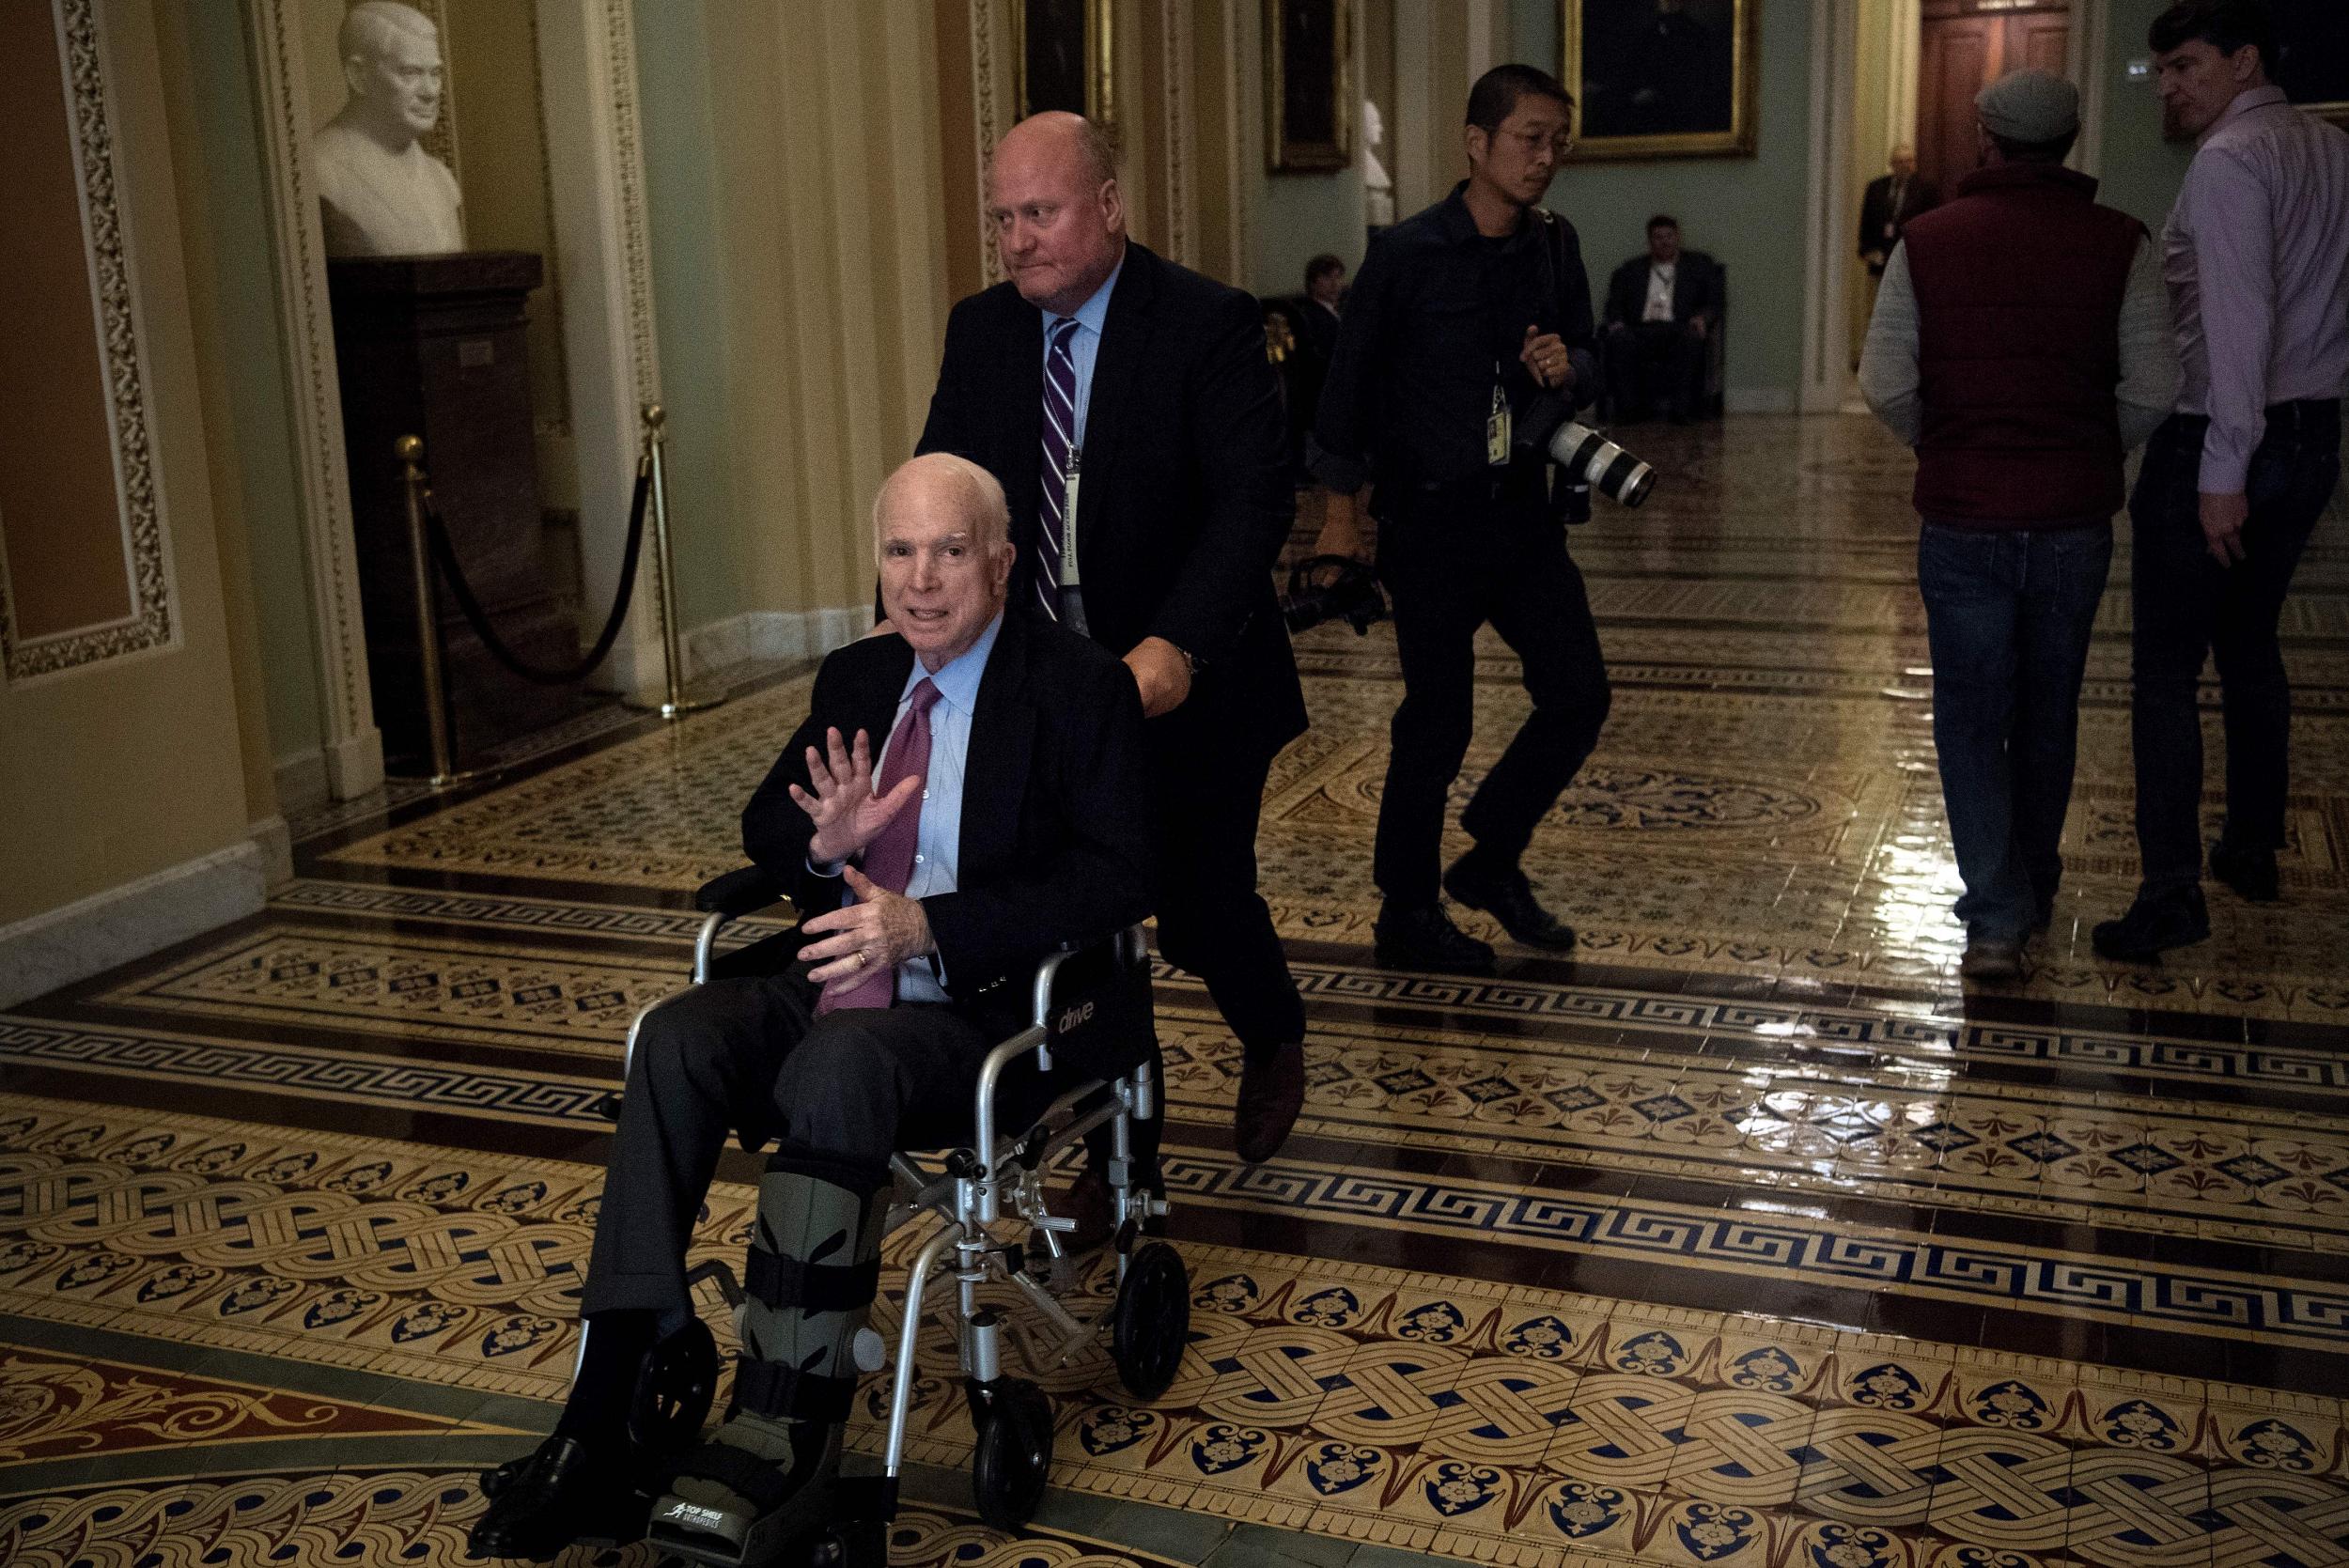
(1378, 185)
(379, 192)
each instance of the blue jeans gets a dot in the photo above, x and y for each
(2009, 617)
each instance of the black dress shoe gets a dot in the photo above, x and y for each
(1271, 1093)
(565, 1492)
(1508, 898)
(2153, 926)
(2251, 872)
(1425, 938)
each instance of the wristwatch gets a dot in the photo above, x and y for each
(1191, 660)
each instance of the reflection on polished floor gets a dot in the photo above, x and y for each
(1745, 1237)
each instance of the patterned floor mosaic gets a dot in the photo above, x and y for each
(1744, 1235)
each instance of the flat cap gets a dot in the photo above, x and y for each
(2030, 107)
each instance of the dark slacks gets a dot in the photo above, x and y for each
(2009, 616)
(1211, 920)
(2187, 606)
(1654, 367)
(1454, 562)
(749, 1056)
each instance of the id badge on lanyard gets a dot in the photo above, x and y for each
(1069, 574)
(1497, 425)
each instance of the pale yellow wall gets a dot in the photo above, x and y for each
(127, 768)
(223, 462)
(828, 300)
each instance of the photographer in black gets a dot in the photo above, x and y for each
(1467, 334)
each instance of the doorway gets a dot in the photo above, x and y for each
(1967, 45)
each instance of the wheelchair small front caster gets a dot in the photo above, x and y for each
(1152, 1322)
(1014, 1453)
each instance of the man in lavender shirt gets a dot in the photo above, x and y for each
(2256, 256)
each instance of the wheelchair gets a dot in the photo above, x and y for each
(1088, 1060)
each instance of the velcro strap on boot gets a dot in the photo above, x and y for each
(785, 1393)
(764, 1483)
(812, 1287)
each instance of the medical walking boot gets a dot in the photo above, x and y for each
(764, 1487)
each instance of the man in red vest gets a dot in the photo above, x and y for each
(2021, 344)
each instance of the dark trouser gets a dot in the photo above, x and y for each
(1454, 562)
(750, 1056)
(2187, 605)
(1654, 367)
(2009, 617)
(1211, 920)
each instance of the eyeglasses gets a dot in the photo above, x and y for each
(1531, 142)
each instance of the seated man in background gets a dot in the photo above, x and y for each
(1007, 814)
(1660, 309)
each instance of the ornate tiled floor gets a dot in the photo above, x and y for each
(1746, 1236)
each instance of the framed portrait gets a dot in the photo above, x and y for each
(1662, 78)
(2312, 57)
(1309, 90)
(1062, 53)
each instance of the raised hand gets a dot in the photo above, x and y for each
(840, 800)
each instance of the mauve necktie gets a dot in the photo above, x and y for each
(1060, 435)
(889, 859)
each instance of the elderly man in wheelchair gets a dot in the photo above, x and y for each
(1003, 826)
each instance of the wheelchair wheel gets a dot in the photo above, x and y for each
(1014, 1453)
(1152, 1321)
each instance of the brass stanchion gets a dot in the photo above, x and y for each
(410, 451)
(679, 701)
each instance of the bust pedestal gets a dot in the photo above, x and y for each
(433, 345)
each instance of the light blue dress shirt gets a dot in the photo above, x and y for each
(938, 839)
(1085, 346)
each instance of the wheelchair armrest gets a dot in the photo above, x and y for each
(740, 891)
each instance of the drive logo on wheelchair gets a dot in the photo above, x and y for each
(1074, 1018)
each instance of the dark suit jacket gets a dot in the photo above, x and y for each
(1876, 210)
(1696, 289)
(1186, 499)
(1055, 843)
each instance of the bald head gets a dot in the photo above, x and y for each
(939, 481)
(1904, 160)
(1055, 210)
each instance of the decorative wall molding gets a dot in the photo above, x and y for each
(63, 945)
(1834, 90)
(774, 635)
(352, 746)
(1177, 133)
(992, 113)
(596, 169)
(107, 246)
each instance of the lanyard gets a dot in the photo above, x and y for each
(1069, 574)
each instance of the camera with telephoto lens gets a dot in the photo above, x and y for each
(1586, 456)
(1352, 595)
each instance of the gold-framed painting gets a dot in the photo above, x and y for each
(1064, 57)
(1662, 78)
(1309, 85)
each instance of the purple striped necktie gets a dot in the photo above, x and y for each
(889, 859)
(1060, 435)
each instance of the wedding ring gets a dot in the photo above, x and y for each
(860, 957)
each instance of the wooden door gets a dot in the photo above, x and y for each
(1967, 45)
